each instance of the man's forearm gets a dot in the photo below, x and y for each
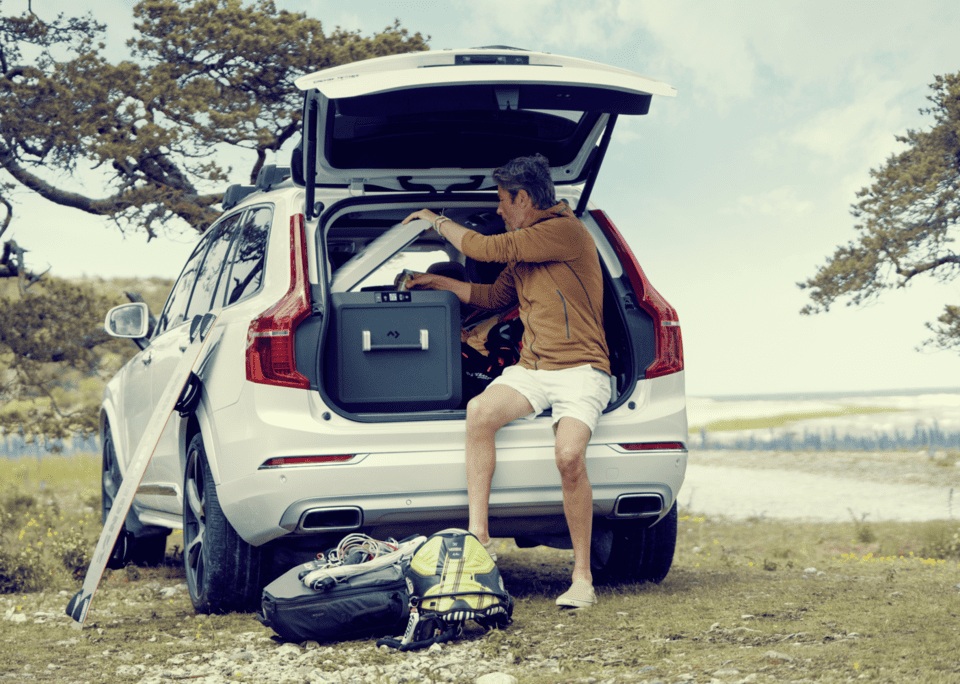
(452, 232)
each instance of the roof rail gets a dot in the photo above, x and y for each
(235, 194)
(271, 175)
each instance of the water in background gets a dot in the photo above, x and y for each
(814, 435)
(15, 446)
(910, 420)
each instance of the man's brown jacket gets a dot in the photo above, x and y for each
(553, 271)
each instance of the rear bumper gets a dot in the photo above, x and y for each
(389, 494)
(411, 476)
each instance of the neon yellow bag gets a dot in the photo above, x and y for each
(452, 579)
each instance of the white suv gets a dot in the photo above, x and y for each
(334, 403)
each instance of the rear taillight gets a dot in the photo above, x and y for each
(270, 338)
(669, 354)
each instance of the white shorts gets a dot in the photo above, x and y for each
(581, 392)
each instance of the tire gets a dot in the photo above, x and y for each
(223, 571)
(137, 543)
(627, 551)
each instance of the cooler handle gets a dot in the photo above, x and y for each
(368, 345)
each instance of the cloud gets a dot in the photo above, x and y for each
(791, 49)
(780, 202)
(546, 25)
(857, 129)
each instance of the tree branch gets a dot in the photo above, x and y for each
(907, 274)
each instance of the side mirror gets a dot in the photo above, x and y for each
(128, 320)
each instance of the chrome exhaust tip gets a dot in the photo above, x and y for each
(330, 519)
(638, 506)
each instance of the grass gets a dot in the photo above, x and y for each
(779, 601)
(765, 422)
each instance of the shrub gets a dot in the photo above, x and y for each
(74, 551)
(14, 507)
(940, 540)
(21, 571)
(863, 532)
(38, 542)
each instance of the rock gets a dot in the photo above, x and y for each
(727, 672)
(496, 678)
(288, 650)
(776, 655)
(131, 670)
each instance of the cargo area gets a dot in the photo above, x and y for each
(380, 352)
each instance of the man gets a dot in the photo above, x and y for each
(553, 272)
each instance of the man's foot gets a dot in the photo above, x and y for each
(579, 595)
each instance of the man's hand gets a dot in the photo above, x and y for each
(424, 214)
(431, 281)
(449, 230)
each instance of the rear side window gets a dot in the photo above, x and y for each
(213, 266)
(175, 310)
(245, 273)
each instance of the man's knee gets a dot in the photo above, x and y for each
(477, 412)
(571, 460)
(483, 414)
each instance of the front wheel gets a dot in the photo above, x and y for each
(223, 571)
(628, 551)
(137, 543)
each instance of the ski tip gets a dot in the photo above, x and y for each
(77, 607)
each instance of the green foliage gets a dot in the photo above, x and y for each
(202, 75)
(909, 217)
(55, 357)
(47, 533)
(21, 571)
(940, 539)
(862, 531)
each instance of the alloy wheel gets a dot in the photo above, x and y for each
(194, 521)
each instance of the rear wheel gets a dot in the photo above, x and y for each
(136, 543)
(223, 571)
(627, 551)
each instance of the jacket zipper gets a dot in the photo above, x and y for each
(566, 317)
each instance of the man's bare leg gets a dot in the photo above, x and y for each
(486, 414)
(571, 448)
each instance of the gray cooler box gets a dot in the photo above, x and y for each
(395, 351)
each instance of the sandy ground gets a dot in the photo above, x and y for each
(826, 486)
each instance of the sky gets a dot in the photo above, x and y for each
(729, 194)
